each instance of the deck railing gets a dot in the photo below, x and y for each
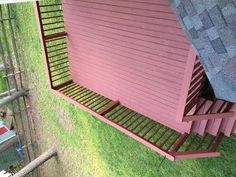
(53, 36)
(218, 109)
(196, 85)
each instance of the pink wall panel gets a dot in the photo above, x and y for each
(131, 51)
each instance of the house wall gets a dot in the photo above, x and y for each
(131, 51)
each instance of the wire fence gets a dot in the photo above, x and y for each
(13, 81)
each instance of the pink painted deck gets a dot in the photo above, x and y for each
(134, 52)
(128, 63)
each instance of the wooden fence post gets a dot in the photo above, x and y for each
(3, 94)
(12, 97)
(37, 162)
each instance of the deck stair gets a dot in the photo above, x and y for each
(209, 115)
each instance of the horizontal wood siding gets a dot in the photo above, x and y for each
(133, 51)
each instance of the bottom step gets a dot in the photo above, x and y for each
(217, 125)
(228, 125)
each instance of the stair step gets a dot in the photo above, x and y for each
(227, 125)
(199, 126)
(214, 125)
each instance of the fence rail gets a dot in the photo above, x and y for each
(14, 97)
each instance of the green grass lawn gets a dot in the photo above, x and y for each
(2, 83)
(89, 147)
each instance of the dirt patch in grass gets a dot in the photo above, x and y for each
(64, 119)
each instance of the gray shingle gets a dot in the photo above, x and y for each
(182, 11)
(189, 7)
(208, 47)
(212, 33)
(223, 3)
(227, 36)
(223, 87)
(193, 33)
(198, 44)
(229, 10)
(218, 60)
(202, 42)
(177, 2)
(208, 62)
(208, 4)
(216, 16)
(230, 18)
(212, 72)
(197, 22)
(206, 20)
(215, 41)
(188, 23)
(199, 5)
(231, 50)
(232, 26)
(218, 46)
(230, 71)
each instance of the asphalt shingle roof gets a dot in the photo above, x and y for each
(211, 27)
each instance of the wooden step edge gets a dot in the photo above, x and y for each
(208, 116)
(195, 154)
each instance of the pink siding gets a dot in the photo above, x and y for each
(131, 51)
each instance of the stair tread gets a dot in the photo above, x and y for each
(227, 125)
(199, 126)
(214, 125)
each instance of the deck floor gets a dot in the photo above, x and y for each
(160, 138)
